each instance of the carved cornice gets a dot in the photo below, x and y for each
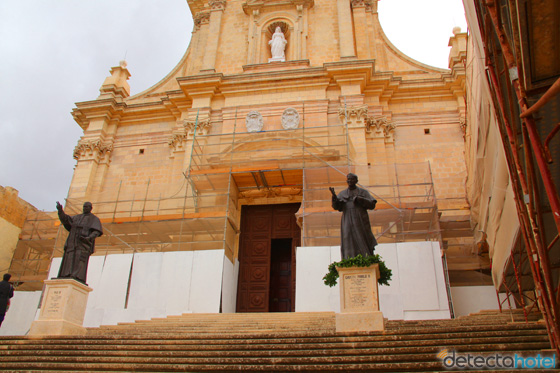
(217, 4)
(107, 109)
(93, 149)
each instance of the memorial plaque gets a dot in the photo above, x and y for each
(359, 305)
(53, 303)
(358, 289)
(359, 294)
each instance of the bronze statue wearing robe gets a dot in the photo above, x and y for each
(80, 244)
(355, 229)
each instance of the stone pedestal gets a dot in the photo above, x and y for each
(63, 308)
(359, 300)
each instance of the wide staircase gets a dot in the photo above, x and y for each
(275, 342)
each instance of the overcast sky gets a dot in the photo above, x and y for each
(58, 52)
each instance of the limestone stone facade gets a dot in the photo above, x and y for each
(178, 157)
(13, 212)
(357, 96)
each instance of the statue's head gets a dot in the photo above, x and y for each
(87, 208)
(278, 29)
(7, 277)
(351, 179)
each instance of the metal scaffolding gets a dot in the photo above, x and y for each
(234, 167)
(528, 139)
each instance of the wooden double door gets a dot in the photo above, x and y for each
(267, 261)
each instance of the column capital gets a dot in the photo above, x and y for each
(217, 5)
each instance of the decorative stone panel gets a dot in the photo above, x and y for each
(290, 119)
(254, 121)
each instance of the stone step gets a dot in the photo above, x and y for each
(282, 342)
(446, 328)
(202, 345)
(213, 342)
(420, 362)
(265, 351)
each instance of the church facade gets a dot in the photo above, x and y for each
(218, 175)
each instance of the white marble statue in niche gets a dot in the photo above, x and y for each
(254, 121)
(278, 46)
(290, 119)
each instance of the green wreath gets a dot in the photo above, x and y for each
(385, 273)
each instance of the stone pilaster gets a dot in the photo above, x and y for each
(360, 9)
(201, 18)
(354, 117)
(345, 32)
(217, 8)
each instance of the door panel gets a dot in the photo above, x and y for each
(260, 225)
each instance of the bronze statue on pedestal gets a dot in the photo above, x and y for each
(355, 229)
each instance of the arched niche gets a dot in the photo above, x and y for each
(267, 31)
(263, 18)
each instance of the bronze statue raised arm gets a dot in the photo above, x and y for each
(80, 244)
(355, 230)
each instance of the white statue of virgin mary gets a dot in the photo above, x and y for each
(277, 46)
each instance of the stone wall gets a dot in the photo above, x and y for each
(13, 211)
